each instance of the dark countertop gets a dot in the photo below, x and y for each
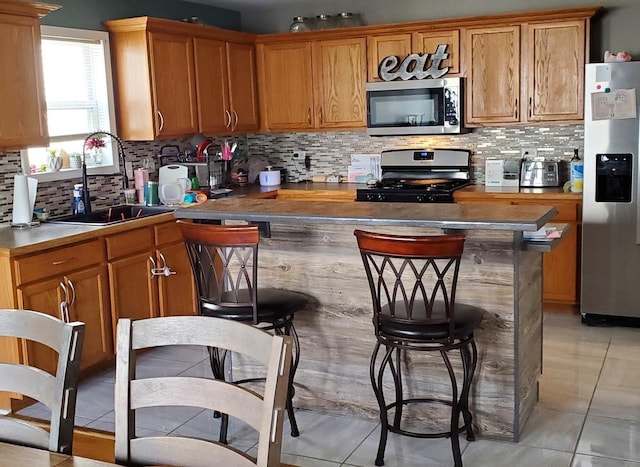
(446, 216)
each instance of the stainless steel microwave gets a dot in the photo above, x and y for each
(415, 107)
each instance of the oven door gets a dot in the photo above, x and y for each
(430, 106)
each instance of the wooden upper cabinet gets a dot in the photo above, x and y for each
(243, 89)
(174, 79)
(492, 64)
(339, 78)
(212, 85)
(428, 42)
(226, 86)
(23, 120)
(286, 90)
(419, 42)
(173, 84)
(380, 47)
(555, 59)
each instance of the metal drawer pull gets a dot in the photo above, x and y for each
(62, 261)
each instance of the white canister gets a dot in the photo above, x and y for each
(269, 177)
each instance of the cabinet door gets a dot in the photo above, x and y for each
(561, 268)
(555, 70)
(428, 42)
(340, 75)
(243, 96)
(492, 64)
(380, 47)
(23, 120)
(212, 86)
(286, 86)
(43, 296)
(134, 292)
(176, 292)
(172, 75)
(91, 306)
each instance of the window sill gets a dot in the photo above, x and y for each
(67, 174)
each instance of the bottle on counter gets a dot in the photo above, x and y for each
(78, 203)
(577, 172)
(300, 24)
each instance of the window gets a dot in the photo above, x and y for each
(79, 93)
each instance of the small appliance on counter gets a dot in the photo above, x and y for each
(502, 172)
(539, 173)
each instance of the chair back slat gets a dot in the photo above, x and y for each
(412, 279)
(264, 412)
(29, 381)
(16, 431)
(56, 392)
(183, 451)
(209, 394)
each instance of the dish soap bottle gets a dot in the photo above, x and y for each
(577, 172)
(78, 203)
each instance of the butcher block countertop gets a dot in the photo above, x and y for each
(556, 193)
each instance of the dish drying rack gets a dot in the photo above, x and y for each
(208, 168)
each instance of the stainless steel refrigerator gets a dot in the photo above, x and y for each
(610, 217)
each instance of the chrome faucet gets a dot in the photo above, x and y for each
(86, 197)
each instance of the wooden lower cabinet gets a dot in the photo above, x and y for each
(561, 267)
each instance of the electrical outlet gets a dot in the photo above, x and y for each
(528, 153)
(307, 162)
(300, 155)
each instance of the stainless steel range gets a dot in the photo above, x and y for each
(419, 176)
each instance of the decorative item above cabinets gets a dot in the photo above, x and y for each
(175, 79)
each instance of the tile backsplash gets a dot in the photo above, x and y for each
(329, 152)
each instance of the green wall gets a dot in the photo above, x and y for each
(89, 14)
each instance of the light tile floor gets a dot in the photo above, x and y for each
(588, 414)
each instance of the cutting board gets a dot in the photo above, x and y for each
(171, 173)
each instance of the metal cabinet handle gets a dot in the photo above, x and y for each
(228, 124)
(235, 123)
(516, 109)
(161, 118)
(162, 270)
(309, 115)
(321, 117)
(64, 304)
(530, 107)
(73, 291)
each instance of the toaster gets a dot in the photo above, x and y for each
(539, 173)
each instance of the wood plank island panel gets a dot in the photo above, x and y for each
(336, 333)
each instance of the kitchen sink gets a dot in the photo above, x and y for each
(112, 215)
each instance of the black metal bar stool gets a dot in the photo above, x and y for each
(413, 286)
(224, 260)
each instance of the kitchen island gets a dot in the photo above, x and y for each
(310, 247)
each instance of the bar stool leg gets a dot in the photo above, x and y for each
(469, 362)
(290, 330)
(397, 380)
(217, 358)
(376, 383)
(455, 412)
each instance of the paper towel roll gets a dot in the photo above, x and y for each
(24, 198)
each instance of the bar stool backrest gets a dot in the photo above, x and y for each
(412, 279)
(57, 392)
(224, 260)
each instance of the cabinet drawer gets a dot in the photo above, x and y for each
(59, 261)
(567, 212)
(127, 243)
(169, 232)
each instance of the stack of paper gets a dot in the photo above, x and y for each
(364, 167)
(542, 234)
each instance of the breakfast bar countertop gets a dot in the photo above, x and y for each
(436, 215)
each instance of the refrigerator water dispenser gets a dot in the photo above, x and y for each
(614, 174)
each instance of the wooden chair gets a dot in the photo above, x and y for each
(264, 413)
(413, 281)
(58, 392)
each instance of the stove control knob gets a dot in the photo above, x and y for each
(380, 196)
(420, 198)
